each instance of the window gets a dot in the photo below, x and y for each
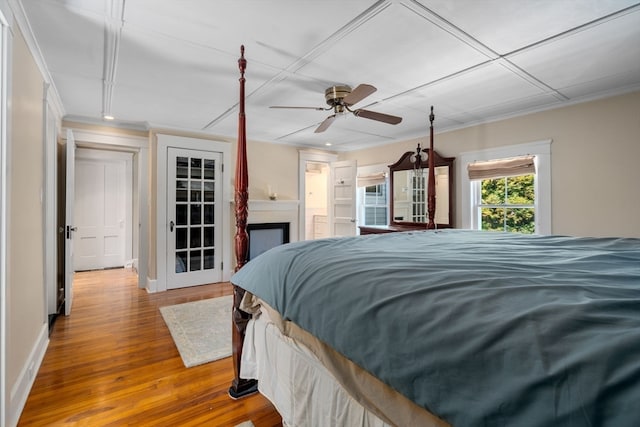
(520, 202)
(375, 205)
(507, 204)
(372, 195)
(418, 197)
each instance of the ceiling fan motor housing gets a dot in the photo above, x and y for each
(335, 94)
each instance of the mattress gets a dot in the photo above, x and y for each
(311, 384)
(489, 329)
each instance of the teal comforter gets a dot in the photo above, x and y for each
(481, 329)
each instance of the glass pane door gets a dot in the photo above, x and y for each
(193, 236)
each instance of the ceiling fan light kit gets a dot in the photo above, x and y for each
(340, 97)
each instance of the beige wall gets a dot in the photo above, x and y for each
(25, 275)
(271, 164)
(594, 155)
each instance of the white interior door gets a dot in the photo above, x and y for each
(100, 213)
(343, 203)
(194, 218)
(70, 224)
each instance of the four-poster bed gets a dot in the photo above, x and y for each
(434, 328)
(240, 387)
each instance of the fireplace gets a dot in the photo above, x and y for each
(265, 236)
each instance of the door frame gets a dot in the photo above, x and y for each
(305, 156)
(139, 147)
(202, 275)
(4, 48)
(50, 136)
(69, 223)
(92, 154)
(164, 142)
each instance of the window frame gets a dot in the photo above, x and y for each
(361, 200)
(360, 191)
(504, 206)
(470, 190)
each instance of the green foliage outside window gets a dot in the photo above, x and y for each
(507, 204)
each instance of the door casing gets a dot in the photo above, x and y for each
(69, 230)
(305, 157)
(201, 275)
(110, 157)
(163, 143)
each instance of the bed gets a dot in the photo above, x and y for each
(438, 327)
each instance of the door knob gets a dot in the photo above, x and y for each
(171, 225)
(69, 230)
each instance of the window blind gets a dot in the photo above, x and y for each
(372, 179)
(512, 166)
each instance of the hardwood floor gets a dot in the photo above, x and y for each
(113, 363)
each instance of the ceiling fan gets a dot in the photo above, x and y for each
(340, 98)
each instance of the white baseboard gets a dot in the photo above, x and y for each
(152, 285)
(22, 387)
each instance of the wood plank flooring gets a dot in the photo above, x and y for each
(113, 363)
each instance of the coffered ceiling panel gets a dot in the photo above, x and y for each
(489, 88)
(401, 51)
(506, 26)
(173, 64)
(604, 52)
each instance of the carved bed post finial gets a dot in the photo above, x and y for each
(431, 186)
(240, 387)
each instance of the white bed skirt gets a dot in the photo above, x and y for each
(303, 391)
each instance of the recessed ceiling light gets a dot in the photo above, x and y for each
(328, 144)
(108, 117)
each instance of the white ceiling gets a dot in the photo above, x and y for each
(173, 64)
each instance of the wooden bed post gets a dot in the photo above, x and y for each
(431, 186)
(240, 387)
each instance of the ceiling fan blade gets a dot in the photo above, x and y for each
(299, 108)
(381, 117)
(358, 94)
(325, 124)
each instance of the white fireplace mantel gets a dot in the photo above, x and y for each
(265, 211)
(273, 205)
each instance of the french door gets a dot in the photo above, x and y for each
(194, 214)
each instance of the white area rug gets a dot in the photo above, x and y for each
(200, 329)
